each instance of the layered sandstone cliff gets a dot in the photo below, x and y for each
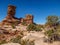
(10, 18)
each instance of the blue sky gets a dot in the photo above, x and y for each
(39, 8)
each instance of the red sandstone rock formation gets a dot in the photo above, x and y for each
(10, 18)
(28, 19)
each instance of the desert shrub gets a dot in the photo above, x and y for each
(22, 42)
(49, 32)
(24, 23)
(52, 35)
(33, 27)
(38, 28)
(27, 42)
(2, 42)
(13, 26)
(16, 40)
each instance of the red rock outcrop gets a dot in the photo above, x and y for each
(10, 18)
(28, 19)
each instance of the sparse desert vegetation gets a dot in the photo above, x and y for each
(33, 33)
(25, 31)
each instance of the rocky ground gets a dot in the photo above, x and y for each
(32, 35)
(37, 36)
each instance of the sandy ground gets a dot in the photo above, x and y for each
(38, 37)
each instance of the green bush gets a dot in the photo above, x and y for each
(16, 40)
(27, 42)
(33, 27)
(52, 35)
(38, 28)
(49, 32)
(24, 23)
